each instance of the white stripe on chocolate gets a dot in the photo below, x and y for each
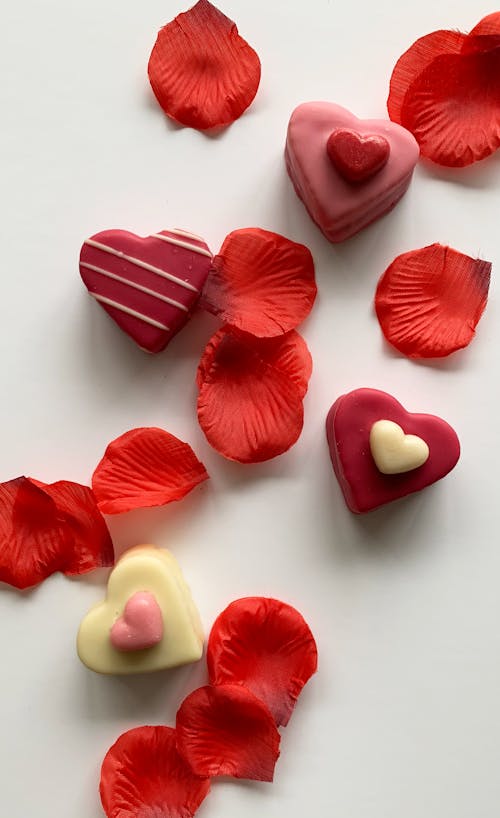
(129, 283)
(179, 232)
(145, 318)
(185, 244)
(138, 263)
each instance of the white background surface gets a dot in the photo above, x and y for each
(403, 718)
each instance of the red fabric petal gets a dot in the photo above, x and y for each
(143, 776)
(452, 108)
(145, 467)
(202, 72)
(480, 43)
(411, 64)
(77, 510)
(33, 543)
(226, 730)
(261, 282)
(429, 301)
(289, 354)
(250, 394)
(489, 25)
(268, 647)
(44, 529)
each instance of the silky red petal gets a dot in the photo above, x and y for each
(145, 467)
(261, 283)
(489, 25)
(78, 512)
(480, 42)
(268, 647)
(288, 353)
(33, 541)
(452, 108)
(411, 64)
(226, 730)
(143, 776)
(250, 394)
(202, 72)
(429, 301)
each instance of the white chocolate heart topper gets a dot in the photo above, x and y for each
(393, 451)
(148, 620)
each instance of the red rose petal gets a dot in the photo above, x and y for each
(411, 64)
(268, 647)
(429, 301)
(44, 529)
(202, 72)
(452, 108)
(480, 43)
(78, 511)
(250, 394)
(143, 776)
(261, 282)
(226, 730)
(33, 543)
(145, 467)
(489, 25)
(288, 353)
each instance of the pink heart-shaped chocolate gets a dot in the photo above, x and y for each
(348, 428)
(140, 626)
(147, 285)
(357, 157)
(323, 173)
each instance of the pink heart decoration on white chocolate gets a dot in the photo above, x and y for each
(141, 625)
(148, 286)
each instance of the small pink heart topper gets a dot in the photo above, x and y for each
(141, 625)
(357, 157)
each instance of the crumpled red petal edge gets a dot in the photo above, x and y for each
(445, 90)
(226, 730)
(202, 72)
(414, 61)
(49, 528)
(261, 283)
(143, 774)
(145, 467)
(429, 301)
(266, 646)
(488, 26)
(250, 394)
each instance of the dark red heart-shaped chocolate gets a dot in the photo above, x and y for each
(357, 157)
(148, 286)
(348, 428)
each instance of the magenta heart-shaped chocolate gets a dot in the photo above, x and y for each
(148, 286)
(355, 156)
(347, 171)
(140, 626)
(349, 428)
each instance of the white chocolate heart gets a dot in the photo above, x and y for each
(156, 571)
(393, 451)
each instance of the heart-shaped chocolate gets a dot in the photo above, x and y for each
(141, 624)
(147, 285)
(148, 605)
(355, 156)
(349, 428)
(323, 172)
